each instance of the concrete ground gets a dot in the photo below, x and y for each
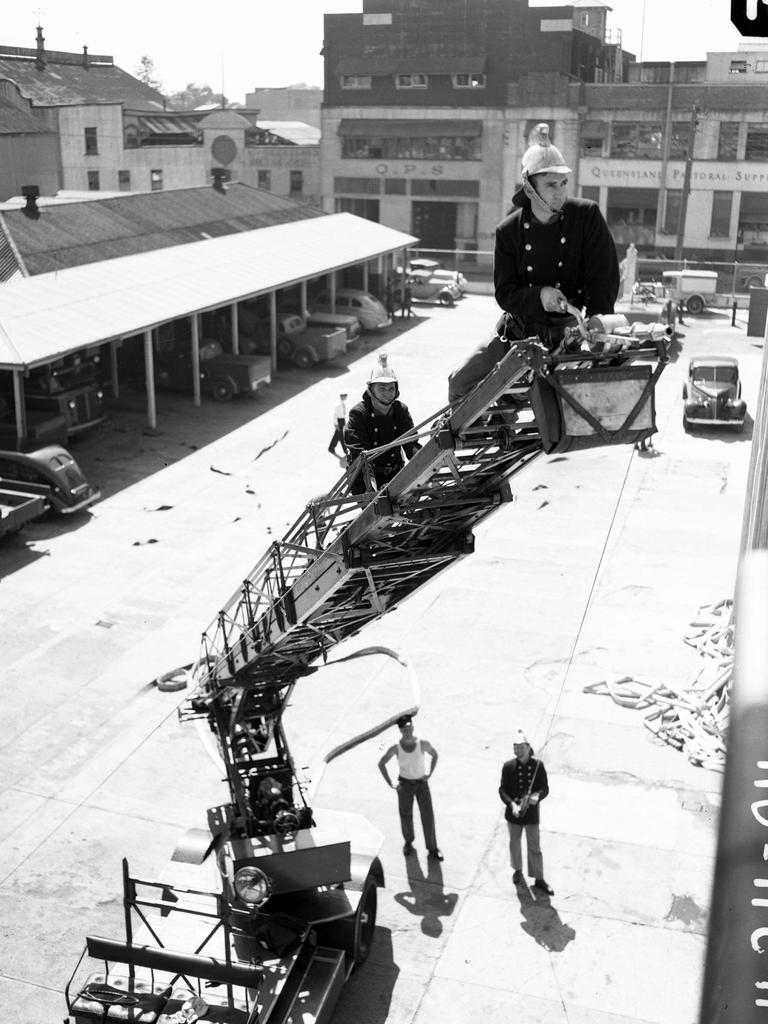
(597, 568)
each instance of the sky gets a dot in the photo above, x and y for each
(249, 44)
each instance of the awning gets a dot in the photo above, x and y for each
(49, 315)
(459, 64)
(362, 128)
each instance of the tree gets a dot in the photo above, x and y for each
(146, 73)
(195, 95)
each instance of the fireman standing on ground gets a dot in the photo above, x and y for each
(523, 786)
(379, 419)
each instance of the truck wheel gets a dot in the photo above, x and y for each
(695, 304)
(354, 935)
(303, 358)
(284, 347)
(223, 390)
(446, 300)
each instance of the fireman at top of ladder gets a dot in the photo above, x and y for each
(552, 251)
(379, 419)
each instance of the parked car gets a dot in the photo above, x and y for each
(436, 269)
(302, 345)
(222, 374)
(52, 473)
(366, 307)
(426, 288)
(712, 393)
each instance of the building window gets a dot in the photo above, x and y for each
(395, 186)
(592, 136)
(156, 180)
(367, 208)
(93, 181)
(265, 180)
(131, 137)
(672, 212)
(413, 81)
(761, 67)
(91, 142)
(124, 181)
(297, 182)
(757, 142)
(468, 81)
(728, 140)
(444, 187)
(357, 185)
(738, 67)
(356, 81)
(680, 140)
(639, 140)
(431, 147)
(591, 192)
(720, 225)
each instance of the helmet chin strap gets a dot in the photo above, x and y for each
(534, 196)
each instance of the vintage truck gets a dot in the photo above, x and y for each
(297, 342)
(70, 388)
(222, 374)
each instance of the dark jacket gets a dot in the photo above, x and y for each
(366, 429)
(516, 780)
(575, 253)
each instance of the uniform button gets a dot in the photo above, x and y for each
(562, 240)
(528, 247)
(530, 286)
(526, 225)
(557, 284)
(560, 263)
(529, 268)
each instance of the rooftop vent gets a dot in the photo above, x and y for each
(30, 193)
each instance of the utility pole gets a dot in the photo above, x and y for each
(686, 184)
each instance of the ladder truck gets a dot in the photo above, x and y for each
(295, 908)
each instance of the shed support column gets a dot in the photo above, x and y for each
(273, 330)
(234, 328)
(333, 291)
(113, 368)
(149, 373)
(21, 410)
(303, 298)
(196, 358)
(365, 276)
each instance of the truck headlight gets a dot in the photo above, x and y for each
(252, 885)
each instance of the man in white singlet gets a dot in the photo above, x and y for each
(412, 784)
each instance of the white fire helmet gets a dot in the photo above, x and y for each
(383, 373)
(542, 157)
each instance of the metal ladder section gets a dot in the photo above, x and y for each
(351, 557)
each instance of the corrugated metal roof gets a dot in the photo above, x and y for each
(60, 84)
(44, 317)
(295, 131)
(69, 235)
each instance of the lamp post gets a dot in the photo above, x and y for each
(686, 185)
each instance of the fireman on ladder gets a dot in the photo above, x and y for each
(550, 252)
(379, 419)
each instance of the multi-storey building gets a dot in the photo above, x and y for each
(429, 107)
(77, 122)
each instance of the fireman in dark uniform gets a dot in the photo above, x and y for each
(550, 251)
(523, 786)
(377, 420)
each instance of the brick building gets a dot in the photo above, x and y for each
(429, 106)
(77, 122)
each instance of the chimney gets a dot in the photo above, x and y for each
(40, 59)
(220, 175)
(30, 193)
(86, 58)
